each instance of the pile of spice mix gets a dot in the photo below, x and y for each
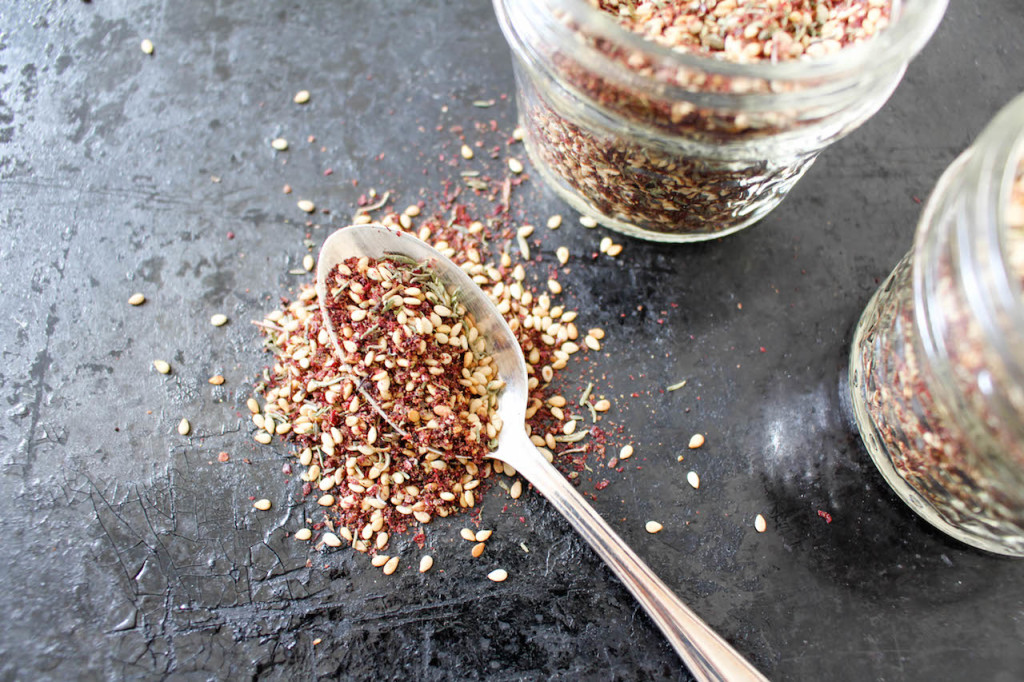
(629, 175)
(395, 433)
(947, 461)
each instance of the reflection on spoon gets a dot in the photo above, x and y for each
(706, 654)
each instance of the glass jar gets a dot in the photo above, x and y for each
(674, 146)
(937, 361)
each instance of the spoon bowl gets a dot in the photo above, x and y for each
(706, 654)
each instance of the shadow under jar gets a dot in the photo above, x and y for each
(937, 362)
(689, 143)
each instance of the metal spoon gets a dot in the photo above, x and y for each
(706, 654)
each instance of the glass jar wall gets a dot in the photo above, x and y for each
(675, 146)
(937, 362)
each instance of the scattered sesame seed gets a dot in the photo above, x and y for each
(518, 134)
(306, 205)
(308, 262)
(760, 525)
(614, 250)
(301, 97)
(693, 479)
(554, 287)
(653, 527)
(379, 560)
(184, 427)
(602, 405)
(588, 222)
(253, 406)
(516, 490)
(554, 222)
(391, 566)
(332, 540)
(483, 535)
(626, 452)
(136, 299)
(146, 46)
(605, 243)
(162, 366)
(303, 534)
(262, 505)
(468, 534)
(216, 380)
(515, 166)
(467, 152)
(478, 549)
(696, 440)
(426, 562)
(279, 143)
(262, 437)
(412, 210)
(498, 575)
(219, 320)
(562, 253)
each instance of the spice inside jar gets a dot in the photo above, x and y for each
(938, 355)
(682, 121)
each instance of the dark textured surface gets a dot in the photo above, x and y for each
(128, 550)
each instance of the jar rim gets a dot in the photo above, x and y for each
(903, 38)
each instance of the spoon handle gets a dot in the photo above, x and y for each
(706, 654)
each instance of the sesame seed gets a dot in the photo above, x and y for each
(605, 243)
(391, 566)
(308, 262)
(478, 549)
(301, 97)
(498, 575)
(306, 205)
(468, 534)
(331, 540)
(467, 152)
(412, 210)
(262, 437)
(696, 440)
(136, 299)
(146, 46)
(184, 427)
(602, 405)
(562, 253)
(518, 134)
(219, 320)
(216, 380)
(614, 250)
(760, 525)
(262, 505)
(253, 406)
(693, 479)
(162, 366)
(380, 560)
(279, 143)
(626, 452)
(515, 166)
(554, 222)
(592, 343)
(588, 222)
(326, 500)
(483, 535)
(303, 534)
(426, 562)
(554, 287)
(653, 527)
(516, 490)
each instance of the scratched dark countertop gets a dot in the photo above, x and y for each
(129, 551)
